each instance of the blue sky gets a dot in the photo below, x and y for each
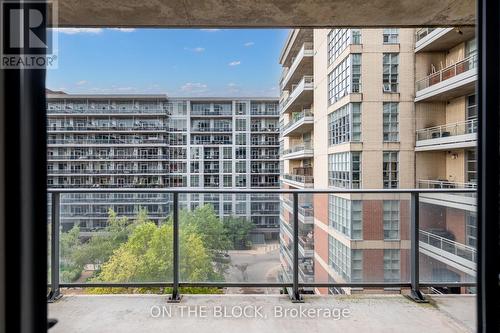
(188, 62)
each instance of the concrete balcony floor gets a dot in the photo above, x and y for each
(367, 313)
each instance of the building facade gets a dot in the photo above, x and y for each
(378, 109)
(146, 141)
(446, 141)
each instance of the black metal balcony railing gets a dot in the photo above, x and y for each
(293, 286)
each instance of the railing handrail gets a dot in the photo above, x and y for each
(275, 191)
(293, 249)
(444, 69)
(448, 125)
(441, 183)
(299, 117)
(443, 240)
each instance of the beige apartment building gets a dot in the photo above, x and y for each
(355, 114)
(445, 150)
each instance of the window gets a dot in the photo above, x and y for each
(344, 124)
(241, 181)
(195, 181)
(470, 48)
(471, 229)
(345, 216)
(339, 258)
(227, 153)
(391, 36)
(391, 122)
(345, 78)
(241, 167)
(241, 108)
(344, 170)
(390, 72)
(338, 39)
(356, 73)
(391, 265)
(241, 139)
(391, 219)
(356, 265)
(241, 125)
(227, 180)
(241, 153)
(390, 169)
(227, 166)
(471, 166)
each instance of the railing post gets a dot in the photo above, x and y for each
(415, 294)
(175, 297)
(295, 296)
(55, 292)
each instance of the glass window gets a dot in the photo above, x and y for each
(391, 36)
(391, 219)
(344, 170)
(241, 125)
(344, 124)
(470, 48)
(390, 76)
(471, 166)
(345, 78)
(345, 216)
(390, 169)
(338, 39)
(391, 265)
(471, 229)
(391, 121)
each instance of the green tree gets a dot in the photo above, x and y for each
(204, 222)
(147, 257)
(237, 231)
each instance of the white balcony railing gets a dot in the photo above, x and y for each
(305, 50)
(449, 246)
(448, 72)
(304, 149)
(437, 184)
(421, 33)
(307, 83)
(447, 130)
(298, 117)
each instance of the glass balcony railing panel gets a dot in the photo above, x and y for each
(231, 237)
(448, 243)
(448, 130)
(115, 238)
(446, 73)
(423, 32)
(356, 238)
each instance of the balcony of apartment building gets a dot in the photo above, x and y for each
(452, 81)
(301, 64)
(300, 151)
(300, 123)
(439, 39)
(462, 134)
(300, 177)
(299, 96)
(460, 201)
(305, 209)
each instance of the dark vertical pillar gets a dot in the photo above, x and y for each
(23, 220)
(415, 294)
(488, 39)
(175, 249)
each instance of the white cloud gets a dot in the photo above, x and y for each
(232, 84)
(123, 29)
(210, 30)
(74, 31)
(81, 82)
(198, 49)
(194, 87)
(248, 44)
(234, 63)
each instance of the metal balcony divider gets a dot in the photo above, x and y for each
(293, 288)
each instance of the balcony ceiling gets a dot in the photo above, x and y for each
(264, 13)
